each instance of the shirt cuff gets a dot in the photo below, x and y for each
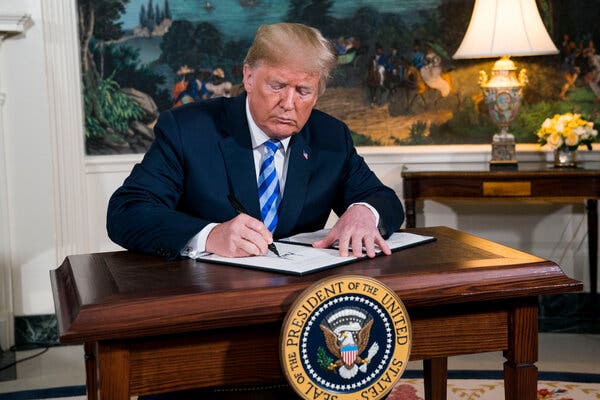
(370, 207)
(196, 247)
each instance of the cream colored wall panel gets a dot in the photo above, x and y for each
(100, 187)
(29, 163)
(12, 25)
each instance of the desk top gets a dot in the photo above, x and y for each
(588, 168)
(124, 294)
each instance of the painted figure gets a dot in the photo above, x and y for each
(180, 92)
(569, 69)
(592, 74)
(218, 86)
(431, 72)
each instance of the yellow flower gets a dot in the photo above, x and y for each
(547, 124)
(566, 130)
(555, 140)
(572, 139)
(559, 127)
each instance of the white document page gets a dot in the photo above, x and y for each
(298, 257)
(295, 259)
(397, 240)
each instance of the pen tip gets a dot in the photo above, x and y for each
(274, 249)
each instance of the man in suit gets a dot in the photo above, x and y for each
(175, 202)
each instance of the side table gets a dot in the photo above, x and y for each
(532, 181)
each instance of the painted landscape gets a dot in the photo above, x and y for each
(140, 57)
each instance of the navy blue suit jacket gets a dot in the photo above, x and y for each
(203, 152)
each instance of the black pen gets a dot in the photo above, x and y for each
(237, 206)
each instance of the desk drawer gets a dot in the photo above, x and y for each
(511, 188)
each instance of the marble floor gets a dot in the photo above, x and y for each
(558, 352)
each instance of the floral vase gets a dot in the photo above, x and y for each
(565, 158)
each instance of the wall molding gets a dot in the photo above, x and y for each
(433, 155)
(66, 127)
(6, 253)
(461, 154)
(111, 163)
(13, 24)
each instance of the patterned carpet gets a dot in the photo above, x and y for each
(482, 389)
(407, 389)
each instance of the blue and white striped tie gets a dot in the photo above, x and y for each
(268, 186)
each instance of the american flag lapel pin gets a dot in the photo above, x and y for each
(305, 154)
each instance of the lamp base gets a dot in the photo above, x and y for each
(503, 155)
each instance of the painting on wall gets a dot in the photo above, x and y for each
(395, 83)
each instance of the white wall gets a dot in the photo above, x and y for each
(29, 220)
(56, 197)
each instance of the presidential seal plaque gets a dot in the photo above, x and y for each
(345, 338)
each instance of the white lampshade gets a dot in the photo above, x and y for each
(505, 28)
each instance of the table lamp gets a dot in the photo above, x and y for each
(504, 28)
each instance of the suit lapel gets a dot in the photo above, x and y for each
(296, 184)
(236, 147)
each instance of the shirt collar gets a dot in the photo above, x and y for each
(257, 135)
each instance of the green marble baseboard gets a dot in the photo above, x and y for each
(570, 313)
(33, 331)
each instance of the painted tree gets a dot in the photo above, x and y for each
(150, 16)
(454, 16)
(167, 10)
(98, 20)
(317, 14)
(178, 46)
(577, 19)
(158, 16)
(296, 10)
(107, 109)
(142, 16)
(188, 44)
(545, 8)
(364, 22)
(208, 39)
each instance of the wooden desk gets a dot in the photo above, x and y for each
(533, 181)
(152, 326)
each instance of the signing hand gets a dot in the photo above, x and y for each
(241, 236)
(356, 227)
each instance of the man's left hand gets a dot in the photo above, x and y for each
(356, 228)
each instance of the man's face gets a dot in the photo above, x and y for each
(280, 98)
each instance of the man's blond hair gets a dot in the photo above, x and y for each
(295, 45)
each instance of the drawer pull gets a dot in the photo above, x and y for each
(507, 188)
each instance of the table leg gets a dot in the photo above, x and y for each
(592, 221)
(91, 372)
(113, 370)
(410, 212)
(435, 378)
(520, 372)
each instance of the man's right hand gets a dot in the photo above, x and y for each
(239, 237)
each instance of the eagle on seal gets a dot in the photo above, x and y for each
(347, 345)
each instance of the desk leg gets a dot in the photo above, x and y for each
(409, 205)
(435, 378)
(520, 372)
(91, 372)
(592, 221)
(113, 370)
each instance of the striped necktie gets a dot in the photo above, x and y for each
(268, 186)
